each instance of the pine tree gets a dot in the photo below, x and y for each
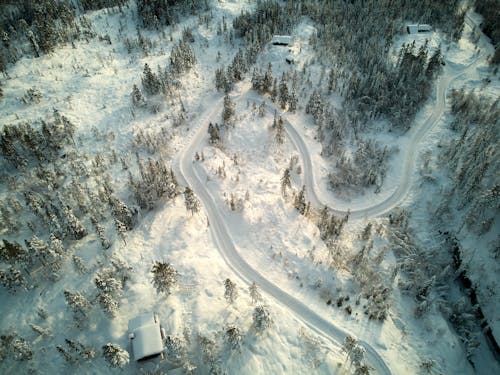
(435, 65)
(261, 318)
(280, 131)
(300, 201)
(228, 111)
(230, 292)
(150, 82)
(267, 82)
(164, 277)
(274, 90)
(192, 203)
(214, 133)
(74, 226)
(254, 293)
(12, 279)
(137, 98)
(234, 336)
(115, 356)
(283, 92)
(286, 181)
(292, 101)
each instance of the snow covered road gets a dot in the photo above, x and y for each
(193, 175)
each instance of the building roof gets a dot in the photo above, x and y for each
(145, 334)
(282, 40)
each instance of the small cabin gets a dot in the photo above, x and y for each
(417, 29)
(146, 336)
(281, 40)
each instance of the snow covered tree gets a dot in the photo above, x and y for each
(286, 181)
(214, 134)
(284, 96)
(79, 304)
(137, 98)
(122, 230)
(435, 64)
(230, 292)
(176, 348)
(150, 81)
(357, 355)
(164, 277)
(74, 227)
(315, 107)
(192, 203)
(349, 344)
(292, 101)
(300, 201)
(110, 288)
(254, 293)
(211, 353)
(234, 336)
(261, 318)
(12, 279)
(115, 356)
(21, 349)
(228, 111)
(279, 130)
(274, 90)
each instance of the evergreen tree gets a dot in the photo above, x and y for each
(292, 101)
(230, 292)
(228, 111)
(300, 201)
(274, 90)
(254, 293)
(234, 336)
(192, 203)
(286, 181)
(137, 98)
(261, 318)
(115, 356)
(214, 133)
(435, 64)
(283, 92)
(280, 131)
(164, 277)
(150, 82)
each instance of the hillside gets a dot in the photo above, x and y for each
(326, 204)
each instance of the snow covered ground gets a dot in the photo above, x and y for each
(91, 85)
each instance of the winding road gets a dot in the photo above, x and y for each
(191, 174)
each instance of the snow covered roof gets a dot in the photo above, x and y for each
(414, 29)
(146, 336)
(281, 40)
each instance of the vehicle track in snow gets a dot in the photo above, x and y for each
(191, 174)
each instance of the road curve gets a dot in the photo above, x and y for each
(190, 174)
(417, 133)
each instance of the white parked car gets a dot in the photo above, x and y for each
(146, 335)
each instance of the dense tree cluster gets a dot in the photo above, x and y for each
(100, 4)
(159, 13)
(156, 181)
(38, 27)
(490, 10)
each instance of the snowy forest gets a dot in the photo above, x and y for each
(293, 187)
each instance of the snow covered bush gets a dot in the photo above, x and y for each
(115, 356)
